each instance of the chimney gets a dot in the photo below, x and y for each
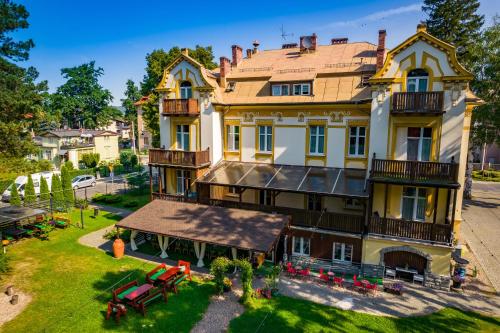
(308, 43)
(381, 49)
(185, 51)
(237, 52)
(249, 53)
(289, 46)
(225, 68)
(255, 46)
(335, 41)
(421, 27)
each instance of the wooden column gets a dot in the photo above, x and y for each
(160, 180)
(368, 211)
(164, 179)
(385, 199)
(454, 208)
(447, 214)
(435, 205)
(151, 182)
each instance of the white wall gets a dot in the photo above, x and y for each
(336, 147)
(289, 145)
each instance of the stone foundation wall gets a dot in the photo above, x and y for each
(440, 282)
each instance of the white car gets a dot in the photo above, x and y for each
(83, 181)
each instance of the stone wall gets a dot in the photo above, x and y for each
(441, 282)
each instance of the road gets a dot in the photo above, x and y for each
(103, 185)
(481, 227)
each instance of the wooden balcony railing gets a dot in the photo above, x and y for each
(414, 171)
(411, 229)
(418, 102)
(194, 159)
(172, 197)
(181, 107)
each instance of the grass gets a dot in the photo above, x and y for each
(292, 315)
(486, 175)
(70, 285)
(133, 199)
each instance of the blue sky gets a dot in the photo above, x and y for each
(119, 34)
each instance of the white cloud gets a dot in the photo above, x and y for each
(383, 14)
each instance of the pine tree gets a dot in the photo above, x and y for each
(15, 199)
(44, 190)
(29, 192)
(69, 198)
(455, 22)
(57, 193)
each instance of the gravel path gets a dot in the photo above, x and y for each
(9, 311)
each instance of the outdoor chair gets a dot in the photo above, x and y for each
(418, 278)
(372, 287)
(290, 270)
(305, 273)
(390, 272)
(356, 284)
(323, 277)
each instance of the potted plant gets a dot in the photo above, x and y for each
(227, 284)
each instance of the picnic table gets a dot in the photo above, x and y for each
(15, 232)
(140, 291)
(170, 273)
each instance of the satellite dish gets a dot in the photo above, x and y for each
(307, 42)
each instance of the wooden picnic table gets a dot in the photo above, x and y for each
(15, 232)
(171, 272)
(140, 291)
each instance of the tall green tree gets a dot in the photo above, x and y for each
(132, 95)
(156, 62)
(456, 22)
(44, 190)
(15, 199)
(21, 97)
(57, 193)
(81, 102)
(29, 191)
(69, 198)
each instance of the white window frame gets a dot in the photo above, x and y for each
(415, 202)
(183, 137)
(267, 133)
(305, 89)
(420, 139)
(342, 252)
(181, 176)
(231, 138)
(357, 137)
(280, 90)
(417, 83)
(316, 137)
(186, 91)
(301, 240)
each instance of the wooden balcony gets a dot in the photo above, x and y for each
(415, 103)
(441, 233)
(190, 159)
(181, 107)
(172, 197)
(414, 172)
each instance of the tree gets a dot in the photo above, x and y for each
(69, 165)
(15, 199)
(57, 193)
(29, 192)
(456, 22)
(69, 198)
(132, 95)
(44, 190)
(81, 102)
(14, 17)
(90, 160)
(128, 160)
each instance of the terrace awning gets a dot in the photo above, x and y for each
(9, 215)
(237, 228)
(288, 178)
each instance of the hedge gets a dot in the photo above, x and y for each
(79, 172)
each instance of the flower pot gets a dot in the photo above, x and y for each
(118, 248)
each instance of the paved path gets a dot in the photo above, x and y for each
(481, 228)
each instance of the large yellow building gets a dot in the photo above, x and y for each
(365, 148)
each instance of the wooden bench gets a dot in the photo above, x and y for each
(156, 294)
(153, 275)
(120, 293)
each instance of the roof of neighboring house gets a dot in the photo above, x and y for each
(141, 101)
(242, 229)
(71, 133)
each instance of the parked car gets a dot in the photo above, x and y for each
(83, 181)
(21, 181)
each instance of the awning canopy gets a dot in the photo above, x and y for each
(9, 215)
(242, 229)
(288, 178)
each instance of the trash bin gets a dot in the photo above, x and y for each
(96, 211)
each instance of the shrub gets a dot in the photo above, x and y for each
(131, 204)
(113, 234)
(107, 198)
(128, 159)
(69, 198)
(218, 269)
(91, 160)
(44, 190)
(81, 203)
(69, 165)
(44, 165)
(57, 193)
(29, 192)
(15, 199)
(246, 279)
(4, 263)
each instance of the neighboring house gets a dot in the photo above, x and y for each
(71, 144)
(487, 157)
(365, 148)
(120, 127)
(145, 137)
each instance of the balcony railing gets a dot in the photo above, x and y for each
(441, 233)
(193, 159)
(414, 171)
(172, 197)
(418, 103)
(181, 107)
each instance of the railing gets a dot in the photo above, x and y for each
(410, 229)
(418, 102)
(179, 157)
(172, 197)
(300, 217)
(187, 106)
(414, 170)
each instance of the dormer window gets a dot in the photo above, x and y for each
(186, 90)
(281, 89)
(302, 89)
(417, 80)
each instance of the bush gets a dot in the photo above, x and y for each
(29, 191)
(15, 199)
(90, 160)
(57, 193)
(44, 190)
(69, 198)
(76, 172)
(81, 203)
(131, 204)
(218, 269)
(128, 159)
(4, 263)
(107, 198)
(113, 234)
(246, 279)
(45, 165)
(69, 165)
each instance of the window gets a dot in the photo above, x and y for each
(48, 154)
(186, 90)
(314, 202)
(301, 246)
(233, 137)
(232, 191)
(419, 144)
(146, 141)
(342, 252)
(231, 86)
(417, 80)
(265, 197)
(316, 140)
(302, 89)
(280, 90)
(183, 181)
(414, 203)
(266, 139)
(357, 139)
(183, 137)
(351, 203)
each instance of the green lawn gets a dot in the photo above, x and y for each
(133, 199)
(70, 285)
(293, 315)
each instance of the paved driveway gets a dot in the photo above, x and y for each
(481, 228)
